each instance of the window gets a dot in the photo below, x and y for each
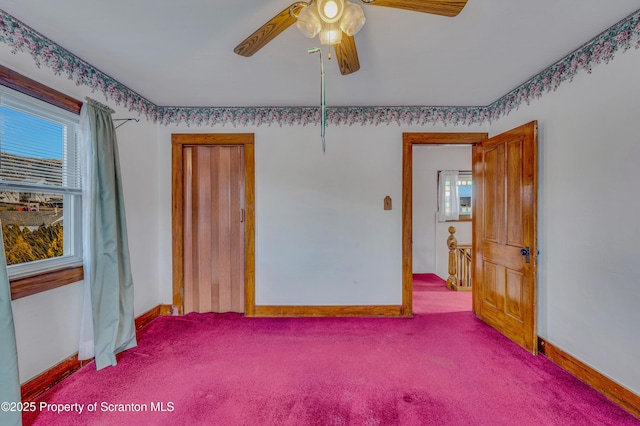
(465, 189)
(40, 190)
(455, 189)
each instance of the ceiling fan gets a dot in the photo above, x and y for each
(336, 22)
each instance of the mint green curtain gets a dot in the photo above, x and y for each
(110, 280)
(9, 380)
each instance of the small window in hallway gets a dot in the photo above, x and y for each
(455, 189)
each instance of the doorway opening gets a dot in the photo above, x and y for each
(411, 140)
(504, 227)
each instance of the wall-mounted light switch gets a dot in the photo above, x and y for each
(387, 203)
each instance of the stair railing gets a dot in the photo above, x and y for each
(459, 267)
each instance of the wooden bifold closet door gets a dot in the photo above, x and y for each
(214, 215)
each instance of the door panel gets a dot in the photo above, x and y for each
(494, 198)
(490, 290)
(514, 295)
(237, 237)
(514, 185)
(213, 228)
(221, 240)
(505, 225)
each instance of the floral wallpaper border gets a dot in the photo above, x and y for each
(620, 37)
(410, 115)
(22, 38)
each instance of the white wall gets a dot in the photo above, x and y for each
(430, 252)
(322, 235)
(137, 144)
(589, 232)
(47, 328)
(47, 323)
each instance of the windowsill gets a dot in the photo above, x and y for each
(462, 219)
(27, 286)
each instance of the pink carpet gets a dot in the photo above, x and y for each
(443, 367)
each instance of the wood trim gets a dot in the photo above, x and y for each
(461, 219)
(35, 387)
(26, 286)
(408, 141)
(177, 195)
(250, 230)
(456, 287)
(212, 139)
(46, 380)
(178, 141)
(166, 310)
(443, 138)
(329, 311)
(407, 228)
(151, 314)
(476, 254)
(22, 84)
(609, 388)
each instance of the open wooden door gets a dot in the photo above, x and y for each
(505, 233)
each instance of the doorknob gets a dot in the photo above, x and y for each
(241, 215)
(526, 252)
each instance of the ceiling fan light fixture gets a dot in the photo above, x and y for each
(330, 10)
(309, 22)
(330, 34)
(352, 18)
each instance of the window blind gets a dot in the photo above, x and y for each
(38, 145)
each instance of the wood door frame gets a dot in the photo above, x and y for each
(178, 141)
(408, 142)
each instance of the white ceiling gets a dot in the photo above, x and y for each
(180, 53)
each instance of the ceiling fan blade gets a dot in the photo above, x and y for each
(436, 7)
(268, 31)
(347, 55)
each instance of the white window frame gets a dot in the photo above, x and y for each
(444, 198)
(465, 174)
(72, 197)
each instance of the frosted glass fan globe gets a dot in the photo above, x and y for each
(352, 19)
(309, 22)
(330, 10)
(330, 34)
